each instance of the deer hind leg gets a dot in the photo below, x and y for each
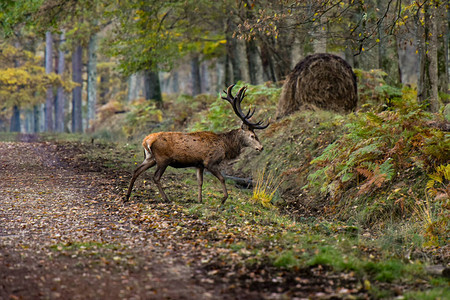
(216, 172)
(146, 164)
(157, 177)
(200, 183)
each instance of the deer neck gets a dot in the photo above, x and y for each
(233, 143)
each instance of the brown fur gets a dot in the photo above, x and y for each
(202, 150)
(321, 80)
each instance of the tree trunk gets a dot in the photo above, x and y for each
(241, 54)
(195, 75)
(77, 116)
(266, 59)
(133, 92)
(443, 48)
(205, 78)
(232, 51)
(428, 85)
(232, 54)
(432, 55)
(174, 82)
(36, 113)
(152, 87)
(15, 119)
(420, 46)
(228, 75)
(254, 63)
(388, 58)
(92, 80)
(60, 97)
(29, 121)
(49, 100)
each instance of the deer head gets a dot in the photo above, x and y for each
(249, 138)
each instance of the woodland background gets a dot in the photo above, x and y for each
(61, 61)
(343, 205)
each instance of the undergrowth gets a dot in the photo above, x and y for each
(219, 115)
(366, 169)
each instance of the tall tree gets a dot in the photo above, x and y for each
(427, 33)
(60, 96)
(15, 119)
(92, 79)
(49, 102)
(195, 75)
(152, 86)
(77, 115)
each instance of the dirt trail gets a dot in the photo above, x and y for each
(65, 234)
(59, 241)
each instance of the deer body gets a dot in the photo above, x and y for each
(201, 150)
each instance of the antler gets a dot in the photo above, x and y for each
(236, 104)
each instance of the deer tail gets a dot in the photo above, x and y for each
(147, 144)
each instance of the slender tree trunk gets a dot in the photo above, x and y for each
(174, 82)
(443, 48)
(36, 113)
(15, 119)
(241, 54)
(420, 45)
(77, 116)
(131, 94)
(428, 83)
(152, 87)
(233, 57)
(49, 100)
(205, 77)
(60, 97)
(29, 122)
(432, 55)
(92, 80)
(195, 75)
(254, 63)
(228, 75)
(266, 59)
(383, 61)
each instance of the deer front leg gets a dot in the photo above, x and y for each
(200, 183)
(146, 164)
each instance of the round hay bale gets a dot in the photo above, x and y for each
(320, 80)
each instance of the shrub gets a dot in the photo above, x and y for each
(379, 150)
(142, 116)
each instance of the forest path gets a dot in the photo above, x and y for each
(61, 238)
(65, 234)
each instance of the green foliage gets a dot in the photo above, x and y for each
(15, 12)
(142, 116)
(287, 259)
(379, 148)
(434, 210)
(23, 80)
(373, 91)
(219, 115)
(265, 188)
(432, 294)
(153, 34)
(386, 271)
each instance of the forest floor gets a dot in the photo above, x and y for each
(65, 234)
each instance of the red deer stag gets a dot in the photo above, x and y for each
(202, 150)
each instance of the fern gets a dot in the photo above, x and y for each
(377, 147)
